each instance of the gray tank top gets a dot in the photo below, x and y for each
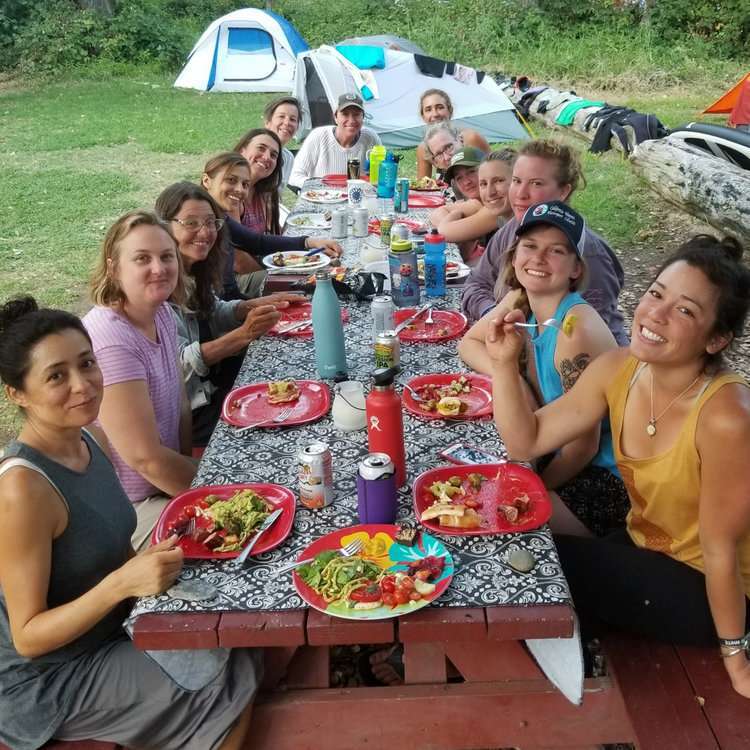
(95, 542)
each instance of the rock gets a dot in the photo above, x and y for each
(521, 560)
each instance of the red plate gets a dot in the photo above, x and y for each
(281, 497)
(418, 200)
(478, 400)
(505, 482)
(296, 314)
(380, 548)
(248, 405)
(447, 324)
(339, 180)
(373, 226)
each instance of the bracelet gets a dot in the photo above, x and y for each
(733, 642)
(733, 652)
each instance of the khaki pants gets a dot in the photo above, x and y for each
(148, 512)
(251, 284)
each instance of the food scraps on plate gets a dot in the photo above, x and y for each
(282, 391)
(444, 399)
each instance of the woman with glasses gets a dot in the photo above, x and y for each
(227, 179)
(144, 412)
(435, 107)
(212, 335)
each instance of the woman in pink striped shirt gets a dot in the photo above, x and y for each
(145, 413)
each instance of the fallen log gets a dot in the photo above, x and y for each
(711, 189)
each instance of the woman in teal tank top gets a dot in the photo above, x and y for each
(68, 573)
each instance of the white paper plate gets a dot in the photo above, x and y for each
(309, 221)
(325, 196)
(319, 261)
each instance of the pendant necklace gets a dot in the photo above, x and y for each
(651, 426)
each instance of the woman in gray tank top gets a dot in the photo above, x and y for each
(68, 573)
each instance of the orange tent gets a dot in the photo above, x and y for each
(735, 102)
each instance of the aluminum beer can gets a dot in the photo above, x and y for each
(376, 489)
(376, 466)
(339, 223)
(387, 350)
(401, 196)
(382, 314)
(315, 476)
(361, 219)
(386, 222)
(352, 169)
(399, 232)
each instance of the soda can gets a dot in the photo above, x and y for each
(376, 466)
(401, 196)
(339, 223)
(352, 169)
(386, 222)
(376, 489)
(315, 476)
(417, 244)
(387, 350)
(382, 314)
(399, 231)
(361, 219)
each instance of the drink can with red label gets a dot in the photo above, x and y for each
(315, 476)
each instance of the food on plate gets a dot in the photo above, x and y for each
(224, 525)
(360, 584)
(450, 406)
(308, 220)
(469, 519)
(406, 534)
(282, 391)
(425, 183)
(324, 195)
(514, 510)
(452, 269)
(455, 502)
(444, 399)
(569, 324)
(292, 260)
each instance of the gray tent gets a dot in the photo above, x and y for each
(385, 40)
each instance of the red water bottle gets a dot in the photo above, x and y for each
(385, 423)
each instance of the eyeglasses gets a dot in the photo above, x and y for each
(444, 152)
(194, 225)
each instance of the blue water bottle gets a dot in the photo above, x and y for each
(328, 331)
(387, 176)
(434, 264)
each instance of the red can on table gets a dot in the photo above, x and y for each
(315, 476)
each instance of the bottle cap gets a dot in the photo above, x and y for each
(323, 274)
(434, 237)
(400, 246)
(390, 156)
(384, 376)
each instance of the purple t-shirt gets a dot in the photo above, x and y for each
(125, 354)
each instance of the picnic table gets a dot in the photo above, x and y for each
(487, 624)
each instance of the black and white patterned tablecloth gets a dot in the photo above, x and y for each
(482, 578)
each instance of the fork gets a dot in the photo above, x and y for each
(428, 321)
(550, 322)
(189, 529)
(350, 549)
(280, 417)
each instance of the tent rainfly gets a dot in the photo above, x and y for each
(246, 50)
(324, 74)
(735, 103)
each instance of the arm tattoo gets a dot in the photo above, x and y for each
(571, 369)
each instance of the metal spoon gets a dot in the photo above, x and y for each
(550, 322)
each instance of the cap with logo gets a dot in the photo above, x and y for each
(466, 156)
(350, 100)
(556, 214)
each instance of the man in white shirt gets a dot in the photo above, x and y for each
(327, 149)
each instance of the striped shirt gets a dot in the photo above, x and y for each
(322, 154)
(125, 354)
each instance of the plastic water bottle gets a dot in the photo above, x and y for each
(403, 270)
(374, 158)
(385, 422)
(434, 264)
(387, 176)
(328, 330)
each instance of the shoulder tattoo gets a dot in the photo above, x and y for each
(571, 369)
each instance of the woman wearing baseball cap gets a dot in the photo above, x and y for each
(545, 268)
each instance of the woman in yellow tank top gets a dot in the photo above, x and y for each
(681, 436)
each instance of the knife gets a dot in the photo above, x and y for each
(296, 326)
(270, 520)
(400, 327)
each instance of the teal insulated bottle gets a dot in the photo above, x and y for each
(387, 176)
(328, 330)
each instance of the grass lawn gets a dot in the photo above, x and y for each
(75, 155)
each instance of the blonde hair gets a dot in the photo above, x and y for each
(569, 169)
(104, 287)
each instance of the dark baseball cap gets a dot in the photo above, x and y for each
(466, 156)
(556, 214)
(350, 100)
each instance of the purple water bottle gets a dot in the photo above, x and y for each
(376, 489)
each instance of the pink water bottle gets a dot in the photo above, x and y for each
(385, 423)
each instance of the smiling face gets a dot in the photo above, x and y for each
(544, 262)
(466, 180)
(534, 181)
(348, 123)
(229, 187)
(435, 109)
(262, 154)
(146, 268)
(194, 244)
(674, 320)
(63, 386)
(442, 146)
(284, 122)
(494, 181)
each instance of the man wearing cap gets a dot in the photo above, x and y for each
(327, 149)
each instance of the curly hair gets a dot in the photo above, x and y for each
(568, 161)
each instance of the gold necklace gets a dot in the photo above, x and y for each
(651, 426)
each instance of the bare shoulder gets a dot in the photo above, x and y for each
(725, 417)
(28, 500)
(588, 334)
(474, 138)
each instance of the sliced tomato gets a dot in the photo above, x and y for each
(401, 596)
(388, 584)
(189, 511)
(415, 596)
(406, 583)
(389, 600)
(369, 593)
